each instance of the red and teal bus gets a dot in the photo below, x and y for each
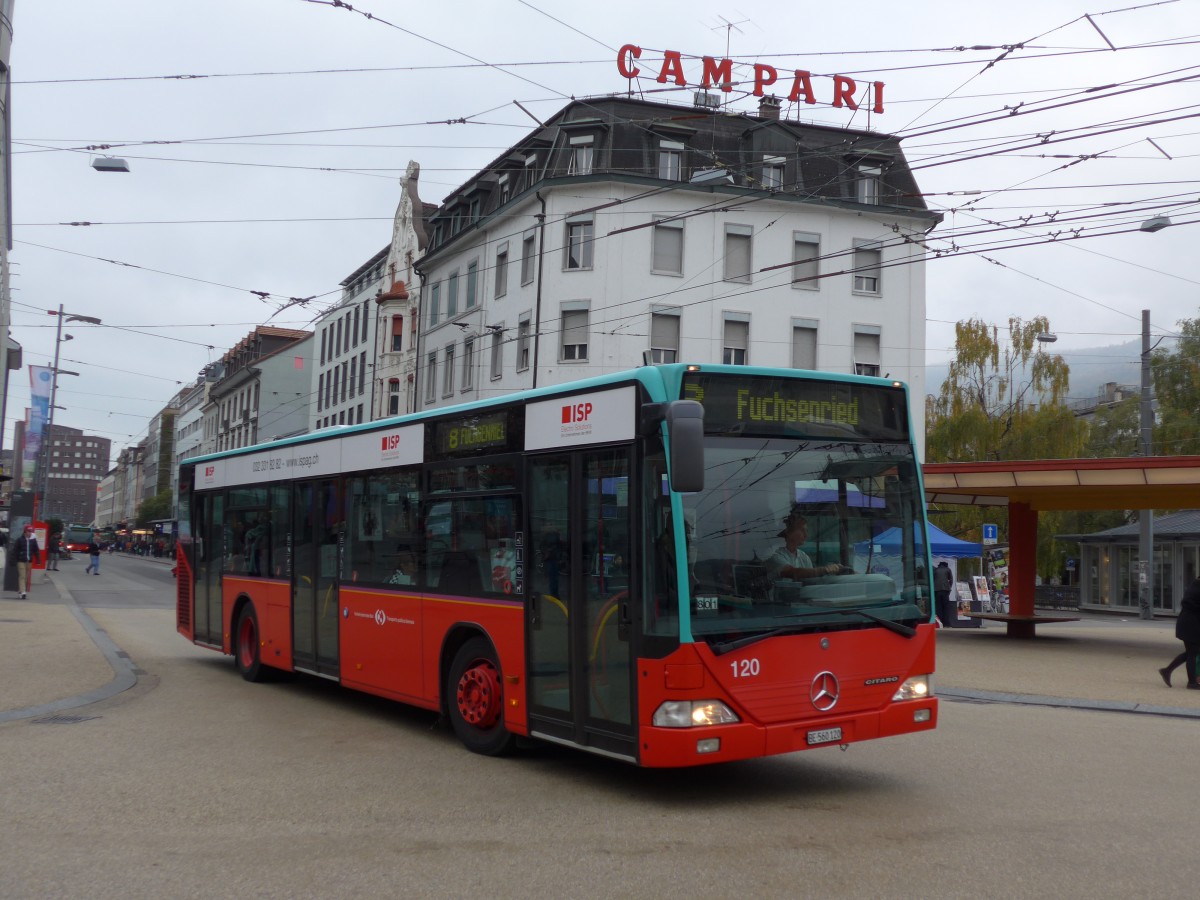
(612, 564)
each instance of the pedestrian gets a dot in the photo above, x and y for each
(943, 584)
(53, 548)
(1187, 629)
(26, 552)
(93, 556)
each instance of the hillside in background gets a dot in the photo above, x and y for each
(1091, 368)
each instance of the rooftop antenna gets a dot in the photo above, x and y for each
(729, 27)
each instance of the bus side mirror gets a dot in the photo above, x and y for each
(685, 431)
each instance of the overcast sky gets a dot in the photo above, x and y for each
(279, 167)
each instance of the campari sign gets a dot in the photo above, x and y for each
(719, 73)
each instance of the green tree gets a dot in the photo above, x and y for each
(1176, 376)
(1003, 400)
(152, 508)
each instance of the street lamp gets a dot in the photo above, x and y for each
(59, 338)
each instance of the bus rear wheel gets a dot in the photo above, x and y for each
(247, 644)
(475, 698)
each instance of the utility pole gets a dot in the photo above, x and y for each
(1146, 523)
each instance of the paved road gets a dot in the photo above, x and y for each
(194, 783)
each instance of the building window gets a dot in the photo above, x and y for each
(365, 316)
(523, 345)
(866, 350)
(435, 300)
(527, 257)
(362, 372)
(353, 372)
(664, 338)
(320, 392)
(806, 254)
(868, 182)
(667, 250)
(867, 259)
(397, 333)
(772, 173)
(355, 344)
(393, 396)
(505, 188)
(581, 156)
(502, 270)
(346, 339)
(468, 366)
(736, 342)
(670, 161)
(452, 295)
(737, 253)
(472, 283)
(337, 340)
(345, 382)
(474, 209)
(448, 372)
(431, 377)
(323, 333)
(574, 335)
(804, 345)
(497, 352)
(579, 245)
(529, 173)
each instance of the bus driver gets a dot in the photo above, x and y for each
(789, 561)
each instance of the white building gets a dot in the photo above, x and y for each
(367, 344)
(625, 232)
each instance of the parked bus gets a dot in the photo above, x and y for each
(592, 564)
(76, 538)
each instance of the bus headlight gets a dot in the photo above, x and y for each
(916, 688)
(690, 713)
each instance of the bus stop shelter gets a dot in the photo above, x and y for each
(1027, 487)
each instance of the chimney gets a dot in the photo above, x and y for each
(768, 108)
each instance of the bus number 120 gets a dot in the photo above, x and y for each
(744, 668)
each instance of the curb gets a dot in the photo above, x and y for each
(1066, 703)
(125, 673)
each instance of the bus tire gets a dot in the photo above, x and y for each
(247, 644)
(475, 699)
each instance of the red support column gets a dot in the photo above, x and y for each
(1022, 566)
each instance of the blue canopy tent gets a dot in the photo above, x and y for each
(940, 544)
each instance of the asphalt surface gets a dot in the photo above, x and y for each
(1101, 662)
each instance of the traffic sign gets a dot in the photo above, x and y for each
(991, 534)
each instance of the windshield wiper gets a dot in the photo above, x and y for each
(899, 628)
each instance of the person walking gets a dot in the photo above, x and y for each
(943, 584)
(1187, 629)
(93, 556)
(53, 548)
(26, 552)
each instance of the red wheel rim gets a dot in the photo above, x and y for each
(479, 695)
(247, 642)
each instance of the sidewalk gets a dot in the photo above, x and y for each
(1100, 662)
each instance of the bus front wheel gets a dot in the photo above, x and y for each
(475, 698)
(247, 644)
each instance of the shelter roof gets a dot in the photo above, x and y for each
(1156, 482)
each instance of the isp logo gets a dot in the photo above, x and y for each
(390, 446)
(210, 471)
(576, 414)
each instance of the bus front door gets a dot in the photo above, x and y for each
(579, 656)
(209, 555)
(317, 511)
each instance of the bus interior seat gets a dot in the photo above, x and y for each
(460, 574)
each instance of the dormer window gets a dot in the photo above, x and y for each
(772, 172)
(505, 186)
(868, 182)
(581, 156)
(670, 160)
(529, 175)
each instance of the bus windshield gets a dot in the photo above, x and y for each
(805, 533)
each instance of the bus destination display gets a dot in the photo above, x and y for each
(789, 407)
(473, 434)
